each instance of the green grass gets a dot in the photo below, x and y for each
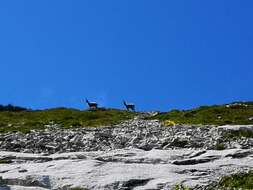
(24, 121)
(237, 181)
(211, 115)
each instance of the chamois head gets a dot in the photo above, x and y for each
(92, 105)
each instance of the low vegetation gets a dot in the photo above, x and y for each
(236, 182)
(26, 120)
(235, 113)
(4, 161)
(220, 146)
(180, 187)
(233, 134)
(78, 188)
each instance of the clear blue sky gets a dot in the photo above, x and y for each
(158, 54)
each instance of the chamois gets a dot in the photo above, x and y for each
(92, 105)
(129, 106)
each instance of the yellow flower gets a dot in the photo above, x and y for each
(169, 123)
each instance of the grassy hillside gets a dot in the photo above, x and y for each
(24, 121)
(234, 113)
(20, 119)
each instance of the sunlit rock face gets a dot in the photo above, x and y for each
(136, 154)
(122, 168)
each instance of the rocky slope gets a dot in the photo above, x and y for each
(136, 154)
(123, 169)
(137, 133)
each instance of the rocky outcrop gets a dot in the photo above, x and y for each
(136, 154)
(122, 169)
(137, 133)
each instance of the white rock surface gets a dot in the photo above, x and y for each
(122, 169)
(236, 127)
(136, 154)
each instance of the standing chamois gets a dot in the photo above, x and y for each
(129, 106)
(92, 105)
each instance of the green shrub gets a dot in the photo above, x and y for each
(220, 146)
(180, 187)
(237, 181)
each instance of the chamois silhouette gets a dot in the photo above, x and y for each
(129, 106)
(92, 105)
